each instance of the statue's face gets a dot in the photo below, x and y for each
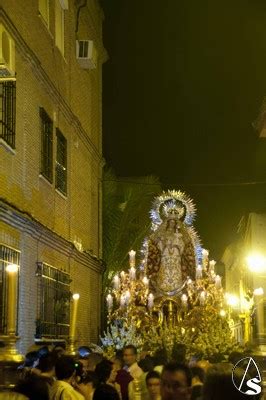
(171, 223)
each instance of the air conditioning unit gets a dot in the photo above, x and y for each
(86, 54)
(7, 55)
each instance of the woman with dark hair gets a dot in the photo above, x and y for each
(106, 372)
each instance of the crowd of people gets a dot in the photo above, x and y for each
(51, 374)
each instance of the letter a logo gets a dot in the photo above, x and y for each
(250, 379)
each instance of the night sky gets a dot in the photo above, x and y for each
(183, 85)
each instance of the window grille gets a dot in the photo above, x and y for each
(7, 256)
(53, 302)
(61, 163)
(8, 112)
(46, 145)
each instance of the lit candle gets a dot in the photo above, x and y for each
(123, 276)
(116, 282)
(212, 265)
(132, 255)
(150, 300)
(184, 300)
(127, 297)
(199, 272)
(74, 315)
(145, 280)
(202, 298)
(132, 273)
(205, 255)
(12, 271)
(122, 301)
(109, 300)
(218, 282)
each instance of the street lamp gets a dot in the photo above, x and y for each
(256, 262)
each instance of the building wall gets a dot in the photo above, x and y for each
(72, 98)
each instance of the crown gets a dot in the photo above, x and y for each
(173, 210)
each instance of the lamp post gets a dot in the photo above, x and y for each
(9, 356)
(257, 265)
(72, 329)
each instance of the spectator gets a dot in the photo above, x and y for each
(153, 383)
(123, 377)
(198, 376)
(106, 372)
(63, 389)
(130, 360)
(33, 387)
(176, 382)
(87, 385)
(93, 360)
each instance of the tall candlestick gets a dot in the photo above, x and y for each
(150, 300)
(109, 300)
(116, 282)
(132, 255)
(205, 255)
(12, 271)
(132, 273)
(199, 272)
(184, 300)
(212, 265)
(122, 300)
(145, 280)
(202, 298)
(218, 282)
(74, 315)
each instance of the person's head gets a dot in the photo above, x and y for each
(47, 364)
(33, 387)
(147, 364)
(65, 368)
(218, 384)
(160, 357)
(87, 384)
(93, 360)
(85, 363)
(106, 392)
(106, 371)
(130, 354)
(171, 224)
(198, 375)
(118, 362)
(153, 383)
(176, 382)
(31, 359)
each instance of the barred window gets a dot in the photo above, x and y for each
(7, 256)
(53, 302)
(46, 145)
(61, 162)
(8, 112)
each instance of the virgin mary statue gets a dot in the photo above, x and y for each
(171, 256)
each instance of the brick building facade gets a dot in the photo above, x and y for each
(51, 166)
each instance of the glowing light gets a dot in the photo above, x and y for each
(12, 268)
(232, 300)
(222, 313)
(258, 291)
(75, 296)
(256, 262)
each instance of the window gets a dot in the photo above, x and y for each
(44, 10)
(7, 256)
(53, 302)
(61, 163)
(60, 7)
(8, 112)
(46, 145)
